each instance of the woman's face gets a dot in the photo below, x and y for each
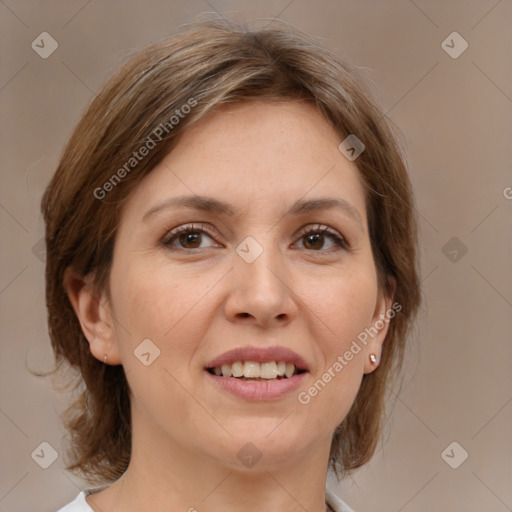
(247, 277)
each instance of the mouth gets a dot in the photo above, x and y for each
(257, 382)
(254, 371)
(258, 373)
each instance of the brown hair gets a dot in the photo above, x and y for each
(210, 64)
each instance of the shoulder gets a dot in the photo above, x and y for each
(80, 505)
(77, 505)
(336, 503)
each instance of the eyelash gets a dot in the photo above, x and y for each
(321, 229)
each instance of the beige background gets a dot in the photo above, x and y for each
(456, 116)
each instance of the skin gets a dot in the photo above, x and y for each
(313, 297)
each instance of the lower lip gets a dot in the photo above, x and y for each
(259, 389)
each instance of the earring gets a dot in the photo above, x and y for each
(373, 359)
(105, 359)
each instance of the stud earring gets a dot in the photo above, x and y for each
(373, 359)
(105, 359)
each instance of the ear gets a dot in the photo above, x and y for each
(94, 314)
(378, 329)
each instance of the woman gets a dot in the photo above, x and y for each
(231, 269)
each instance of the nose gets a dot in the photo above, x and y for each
(260, 292)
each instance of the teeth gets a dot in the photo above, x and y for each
(237, 369)
(268, 370)
(281, 368)
(253, 370)
(226, 370)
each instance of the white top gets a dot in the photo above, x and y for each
(80, 505)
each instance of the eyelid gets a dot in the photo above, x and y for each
(326, 231)
(193, 226)
(314, 228)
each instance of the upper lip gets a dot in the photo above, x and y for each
(259, 355)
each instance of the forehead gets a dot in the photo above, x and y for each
(256, 156)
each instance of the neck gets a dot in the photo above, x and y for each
(164, 475)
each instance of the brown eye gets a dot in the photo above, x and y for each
(192, 237)
(187, 237)
(314, 238)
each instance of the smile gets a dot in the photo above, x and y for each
(251, 370)
(250, 380)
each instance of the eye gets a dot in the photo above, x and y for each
(188, 237)
(314, 238)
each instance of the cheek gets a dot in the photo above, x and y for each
(340, 311)
(168, 311)
(148, 299)
(161, 306)
(354, 310)
(342, 307)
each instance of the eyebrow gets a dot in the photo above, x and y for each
(215, 206)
